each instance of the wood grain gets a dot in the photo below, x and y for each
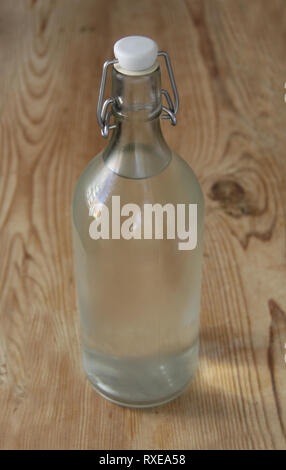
(229, 62)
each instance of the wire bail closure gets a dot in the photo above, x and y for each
(103, 115)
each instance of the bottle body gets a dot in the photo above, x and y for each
(139, 299)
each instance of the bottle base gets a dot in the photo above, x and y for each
(144, 382)
(143, 404)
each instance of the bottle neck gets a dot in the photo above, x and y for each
(137, 148)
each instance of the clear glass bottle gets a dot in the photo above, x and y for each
(139, 299)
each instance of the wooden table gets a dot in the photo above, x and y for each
(229, 62)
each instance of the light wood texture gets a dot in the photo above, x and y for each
(229, 62)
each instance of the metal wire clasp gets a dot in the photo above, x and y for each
(171, 111)
(103, 115)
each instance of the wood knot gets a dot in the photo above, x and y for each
(242, 194)
(227, 192)
(232, 198)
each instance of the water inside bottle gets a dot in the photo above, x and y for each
(139, 300)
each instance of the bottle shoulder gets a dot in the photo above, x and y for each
(184, 177)
(175, 183)
(88, 174)
(184, 166)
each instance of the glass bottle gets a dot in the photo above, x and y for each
(138, 285)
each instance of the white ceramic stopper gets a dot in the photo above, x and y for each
(135, 53)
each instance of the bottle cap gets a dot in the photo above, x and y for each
(135, 54)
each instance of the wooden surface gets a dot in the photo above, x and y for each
(229, 62)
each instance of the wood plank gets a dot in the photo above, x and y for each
(229, 62)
